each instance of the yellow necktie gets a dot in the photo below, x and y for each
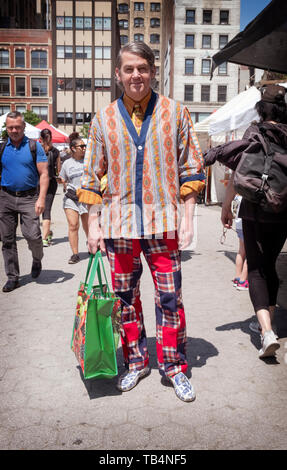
(137, 117)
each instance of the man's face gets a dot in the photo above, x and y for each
(15, 129)
(136, 75)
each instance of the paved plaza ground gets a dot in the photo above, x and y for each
(45, 403)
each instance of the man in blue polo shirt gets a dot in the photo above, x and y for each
(19, 195)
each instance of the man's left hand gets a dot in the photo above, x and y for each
(185, 235)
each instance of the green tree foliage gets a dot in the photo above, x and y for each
(85, 131)
(31, 118)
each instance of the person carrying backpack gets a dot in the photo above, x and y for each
(24, 167)
(54, 168)
(265, 221)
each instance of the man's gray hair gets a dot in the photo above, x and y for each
(138, 48)
(15, 115)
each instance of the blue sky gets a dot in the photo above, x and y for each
(250, 9)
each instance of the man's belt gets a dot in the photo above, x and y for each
(28, 192)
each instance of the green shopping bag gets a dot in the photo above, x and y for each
(97, 324)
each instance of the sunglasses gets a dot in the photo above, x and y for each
(83, 146)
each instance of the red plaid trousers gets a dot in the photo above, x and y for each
(163, 258)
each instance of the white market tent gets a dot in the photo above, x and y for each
(229, 122)
(30, 131)
(237, 113)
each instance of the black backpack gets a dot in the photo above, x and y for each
(33, 150)
(261, 176)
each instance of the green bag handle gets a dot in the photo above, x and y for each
(95, 265)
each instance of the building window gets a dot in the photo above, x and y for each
(139, 6)
(154, 22)
(103, 24)
(60, 118)
(4, 86)
(39, 86)
(223, 40)
(64, 52)
(156, 54)
(39, 59)
(83, 23)
(102, 52)
(123, 24)
(138, 22)
(189, 66)
(221, 93)
(224, 17)
(206, 41)
(188, 92)
(102, 84)
(79, 118)
(123, 8)
(20, 58)
(4, 59)
(207, 16)
(41, 111)
(20, 86)
(4, 109)
(138, 37)
(205, 92)
(65, 118)
(60, 84)
(190, 16)
(154, 38)
(154, 6)
(21, 109)
(83, 52)
(222, 69)
(124, 39)
(83, 84)
(205, 66)
(189, 41)
(65, 84)
(64, 22)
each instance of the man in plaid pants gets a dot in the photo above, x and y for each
(145, 147)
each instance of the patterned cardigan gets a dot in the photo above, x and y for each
(148, 174)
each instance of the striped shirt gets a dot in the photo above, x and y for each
(148, 174)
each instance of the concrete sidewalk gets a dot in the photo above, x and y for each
(46, 404)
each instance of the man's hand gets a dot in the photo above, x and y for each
(186, 231)
(185, 234)
(39, 206)
(226, 215)
(44, 181)
(95, 235)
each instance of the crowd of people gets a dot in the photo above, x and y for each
(142, 164)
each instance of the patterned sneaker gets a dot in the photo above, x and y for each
(129, 379)
(74, 259)
(269, 344)
(182, 387)
(235, 281)
(242, 285)
(45, 242)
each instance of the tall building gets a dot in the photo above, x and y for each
(25, 57)
(57, 58)
(85, 44)
(143, 21)
(201, 28)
